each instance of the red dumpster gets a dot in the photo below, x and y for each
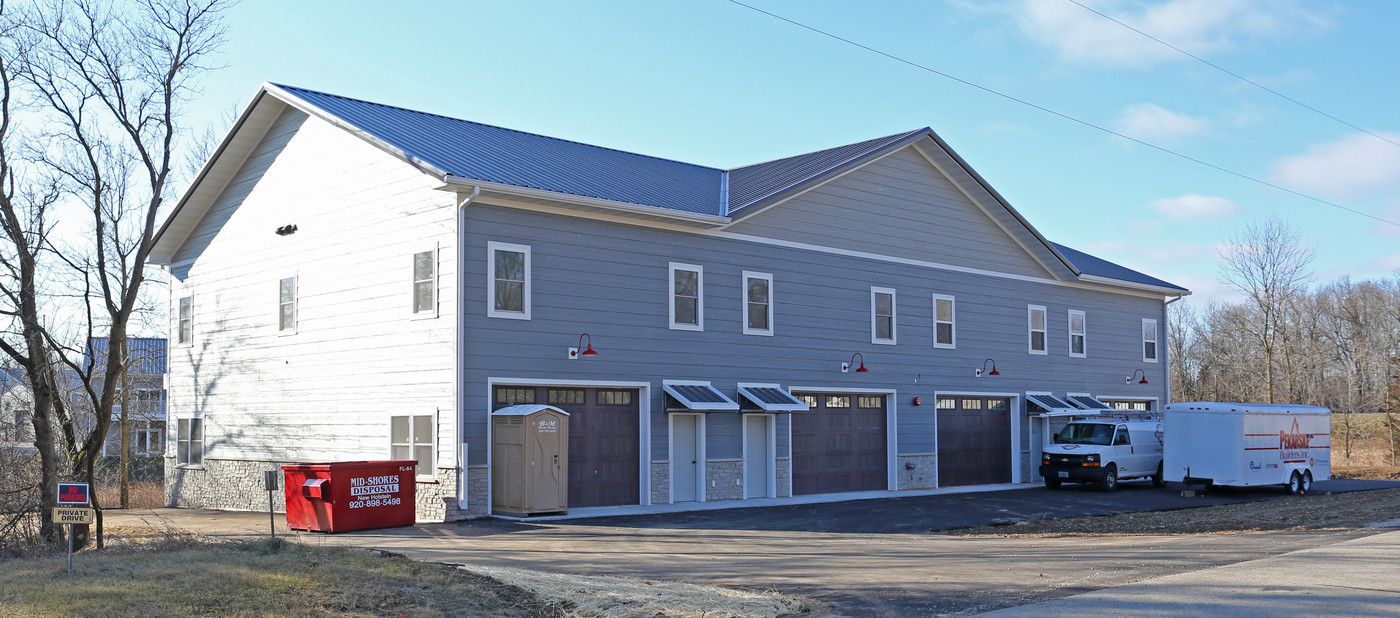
(349, 495)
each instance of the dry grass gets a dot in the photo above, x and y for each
(606, 596)
(156, 573)
(142, 495)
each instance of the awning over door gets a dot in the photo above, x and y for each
(1085, 402)
(1052, 405)
(696, 397)
(772, 399)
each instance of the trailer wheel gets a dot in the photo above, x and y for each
(1307, 481)
(1110, 478)
(1052, 483)
(1158, 480)
(1295, 483)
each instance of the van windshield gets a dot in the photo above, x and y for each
(1085, 433)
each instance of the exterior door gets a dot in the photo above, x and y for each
(840, 445)
(685, 458)
(974, 440)
(758, 459)
(604, 439)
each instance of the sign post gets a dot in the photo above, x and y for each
(270, 483)
(72, 494)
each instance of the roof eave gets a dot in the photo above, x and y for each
(1166, 291)
(579, 202)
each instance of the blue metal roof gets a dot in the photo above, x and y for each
(1100, 267)
(476, 151)
(753, 184)
(146, 356)
(494, 154)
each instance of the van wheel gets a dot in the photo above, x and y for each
(1110, 478)
(1295, 483)
(1307, 481)
(1157, 479)
(1052, 483)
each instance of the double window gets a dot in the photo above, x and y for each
(944, 317)
(508, 295)
(1149, 341)
(287, 305)
(1035, 328)
(687, 292)
(189, 442)
(882, 316)
(758, 303)
(185, 328)
(411, 437)
(1076, 333)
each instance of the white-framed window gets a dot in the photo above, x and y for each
(425, 293)
(185, 316)
(287, 306)
(1149, 341)
(1035, 329)
(687, 294)
(883, 320)
(945, 333)
(189, 442)
(1077, 332)
(508, 291)
(411, 437)
(758, 303)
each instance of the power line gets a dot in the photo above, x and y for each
(1238, 76)
(1065, 116)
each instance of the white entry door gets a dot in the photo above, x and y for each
(758, 457)
(685, 458)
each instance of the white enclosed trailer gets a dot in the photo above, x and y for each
(1247, 444)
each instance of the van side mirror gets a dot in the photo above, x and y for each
(1121, 439)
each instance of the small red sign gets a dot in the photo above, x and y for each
(73, 493)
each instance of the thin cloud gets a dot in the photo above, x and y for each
(1197, 26)
(1149, 121)
(1192, 207)
(1354, 166)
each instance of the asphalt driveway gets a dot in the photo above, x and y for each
(866, 558)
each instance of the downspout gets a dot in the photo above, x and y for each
(1166, 349)
(459, 348)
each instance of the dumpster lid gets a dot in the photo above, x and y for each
(526, 409)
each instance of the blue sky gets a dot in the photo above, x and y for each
(714, 83)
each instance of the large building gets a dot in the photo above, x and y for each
(357, 281)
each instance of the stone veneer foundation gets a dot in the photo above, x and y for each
(237, 485)
(924, 474)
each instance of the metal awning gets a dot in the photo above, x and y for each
(1086, 402)
(772, 399)
(526, 409)
(698, 397)
(1049, 403)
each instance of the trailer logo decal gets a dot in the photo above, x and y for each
(1294, 439)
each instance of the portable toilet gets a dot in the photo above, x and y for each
(529, 460)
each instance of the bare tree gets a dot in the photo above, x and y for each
(1269, 265)
(107, 81)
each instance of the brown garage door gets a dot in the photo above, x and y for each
(603, 439)
(974, 441)
(840, 444)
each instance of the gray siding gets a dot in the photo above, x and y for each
(610, 280)
(907, 208)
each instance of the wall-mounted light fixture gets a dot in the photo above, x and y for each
(983, 368)
(588, 352)
(847, 366)
(1139, 372)
(287, 230)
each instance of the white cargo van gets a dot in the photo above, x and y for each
(1104, 451)
(1248, 444)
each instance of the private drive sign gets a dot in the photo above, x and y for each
(68, 515)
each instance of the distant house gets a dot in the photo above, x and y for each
(354, 281)
(146, 366)
(16, 408)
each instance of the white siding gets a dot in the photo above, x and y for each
(901, 206)
(358, 354)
